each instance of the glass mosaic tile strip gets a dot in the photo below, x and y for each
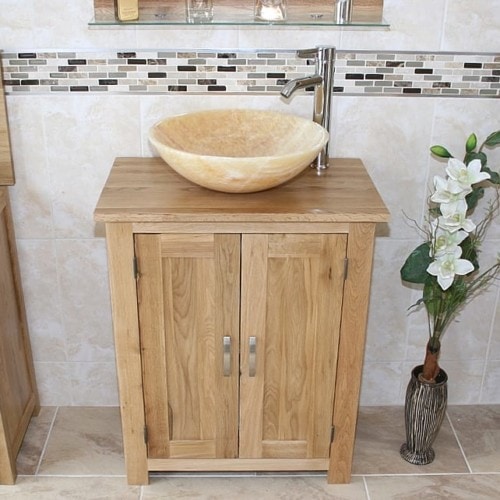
(248, 71)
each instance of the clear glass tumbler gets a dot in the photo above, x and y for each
(270, 10)
(199, 11)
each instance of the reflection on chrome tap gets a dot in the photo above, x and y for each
(343, 11)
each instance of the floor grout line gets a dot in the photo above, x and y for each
(458, 442)
(367, 491)
(45, 445)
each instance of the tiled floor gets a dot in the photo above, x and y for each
(76, 453)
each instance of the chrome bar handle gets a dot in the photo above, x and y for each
(227, 356)
(252, 356)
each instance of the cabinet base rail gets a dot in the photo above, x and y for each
(236, 464)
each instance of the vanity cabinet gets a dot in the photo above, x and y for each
(239, 320)
(18, 392)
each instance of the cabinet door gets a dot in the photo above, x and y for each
(292, 288)
(188, 292)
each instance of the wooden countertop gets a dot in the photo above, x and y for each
(147, 190)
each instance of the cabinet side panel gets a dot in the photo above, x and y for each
(120, 245)
(351, 350)
(6, 167)
(17, 387)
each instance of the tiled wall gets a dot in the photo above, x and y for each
(64, 143)
(244, 71)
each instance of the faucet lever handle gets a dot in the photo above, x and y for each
(308, 53)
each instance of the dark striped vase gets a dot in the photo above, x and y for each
(425, 407)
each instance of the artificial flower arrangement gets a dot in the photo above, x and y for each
(447, 264)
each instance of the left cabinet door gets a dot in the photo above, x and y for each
(188, 292)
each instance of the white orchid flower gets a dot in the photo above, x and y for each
(444, 241)
(452, 220)
(466, 175)
(448, 191)
(446, 266)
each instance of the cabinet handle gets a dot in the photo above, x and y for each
(227, 357)
(252, 356)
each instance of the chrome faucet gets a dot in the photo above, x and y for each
(323, 87)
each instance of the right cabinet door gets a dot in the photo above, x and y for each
(292, 289)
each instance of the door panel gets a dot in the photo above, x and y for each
(188, 290)
(292, 288)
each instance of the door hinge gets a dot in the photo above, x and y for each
(332, 434)
(146, 434)
(135, 267)
(346, 267)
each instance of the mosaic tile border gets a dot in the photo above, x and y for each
(248, 71)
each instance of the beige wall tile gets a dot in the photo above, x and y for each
(392, 137)
(491, 388)
(94, 384)
(482, 26)
(381, 383)
(31, 196)
(85, 135)
(39, 275)
(414, 25)
(85, 302)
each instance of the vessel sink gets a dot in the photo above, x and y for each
(238, 150)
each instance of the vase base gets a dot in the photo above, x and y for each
(416, 457)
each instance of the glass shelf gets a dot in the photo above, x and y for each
(174, 14)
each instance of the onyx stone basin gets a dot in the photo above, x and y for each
(238, 150)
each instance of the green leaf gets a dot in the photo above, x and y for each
(473, 198)
(475, 156)
(494, 176)
(469, 252)
(493, 139)
(414, 269)
(471, 143)
(441, 152)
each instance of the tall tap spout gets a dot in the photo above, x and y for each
(300, 83)
(323, 86)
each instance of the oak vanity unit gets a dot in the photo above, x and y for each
(239, 319)
(18, 392)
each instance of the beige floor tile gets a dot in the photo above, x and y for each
(252, 488)
(34, 441)
(381, 432)
(478, 430)
(85, 441)
(74, 488)
(455, 487)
